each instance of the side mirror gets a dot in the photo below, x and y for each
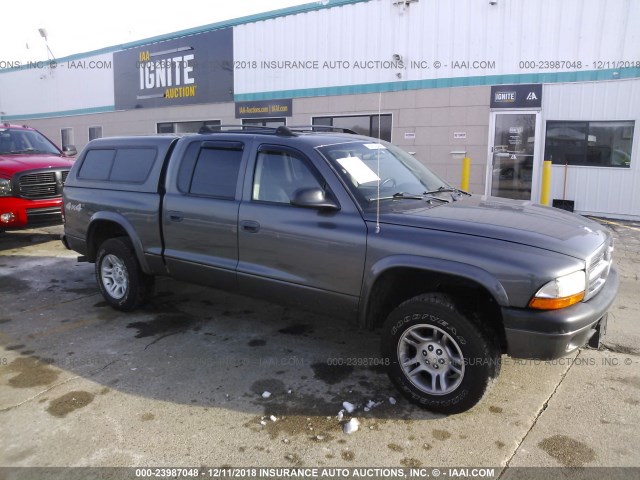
(313, 198)
(69, 151)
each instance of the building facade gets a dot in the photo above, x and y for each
(508, 83)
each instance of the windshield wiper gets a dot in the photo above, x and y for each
(410, 196)
(27, 150)
(444, 189)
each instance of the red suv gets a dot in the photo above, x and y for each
(32, 173)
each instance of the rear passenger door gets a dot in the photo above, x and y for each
(200, 213)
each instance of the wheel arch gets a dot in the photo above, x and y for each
(395, 279)
(106, 225)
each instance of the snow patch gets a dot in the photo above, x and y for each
(349, 407)
(351, 426)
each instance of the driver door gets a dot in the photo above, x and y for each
(306, 256)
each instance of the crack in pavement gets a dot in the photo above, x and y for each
(545, 405)
(619, 349)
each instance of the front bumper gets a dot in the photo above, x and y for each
(549, 334)
(30, 213)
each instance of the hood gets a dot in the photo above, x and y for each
(515, 221)
(12, 164)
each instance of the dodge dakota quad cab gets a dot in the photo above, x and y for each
(352, 226)
(32, 173)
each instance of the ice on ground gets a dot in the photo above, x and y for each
(340, 415)
(349, 407)
(273, 418)
(351, 426)
(266, 394)
(392, 400)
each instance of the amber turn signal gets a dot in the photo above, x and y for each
(555, 303)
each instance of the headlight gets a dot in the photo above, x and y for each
(5, 187)
(561, 292)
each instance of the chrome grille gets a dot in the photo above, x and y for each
(37, 185)
(598, 266)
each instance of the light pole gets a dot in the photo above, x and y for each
(43, 34)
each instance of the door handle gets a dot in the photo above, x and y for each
(249, 226)
(175, 216)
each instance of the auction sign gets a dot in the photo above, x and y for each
(183, 71)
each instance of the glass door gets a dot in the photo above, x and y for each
(512, 166)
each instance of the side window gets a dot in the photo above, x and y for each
(133, 165)
(279, 174)
(186, 167)
(126, 165)
(216, 173)
(97, 165)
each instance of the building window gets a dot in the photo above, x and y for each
(265, 122)
(592, 144)
(66, 137)
(95, 132)
(186, 127)
(377, 126)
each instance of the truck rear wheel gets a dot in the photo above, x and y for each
(438, 358)
(121, 280)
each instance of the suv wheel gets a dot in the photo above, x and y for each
(438, 358)
(121, 280)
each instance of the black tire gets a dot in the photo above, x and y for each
(122, 282)
(464, 360)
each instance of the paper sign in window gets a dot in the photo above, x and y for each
(358, 170)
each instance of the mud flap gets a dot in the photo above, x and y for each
(600, 330)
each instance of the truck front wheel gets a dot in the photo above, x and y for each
(438, 358)
(121, 280)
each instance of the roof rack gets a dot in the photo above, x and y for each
(320, 128)
(283, 130)
(235, 128)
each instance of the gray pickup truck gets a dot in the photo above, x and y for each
(346, 225)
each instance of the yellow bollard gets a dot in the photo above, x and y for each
(466, 171)
(546, 182)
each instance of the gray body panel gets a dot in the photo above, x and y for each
(132, 206)
(514, 221)
(201, 239)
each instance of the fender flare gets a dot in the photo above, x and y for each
(427, 264)
(120, 220)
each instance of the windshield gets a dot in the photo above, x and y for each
(363, 165)
(14, 141)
